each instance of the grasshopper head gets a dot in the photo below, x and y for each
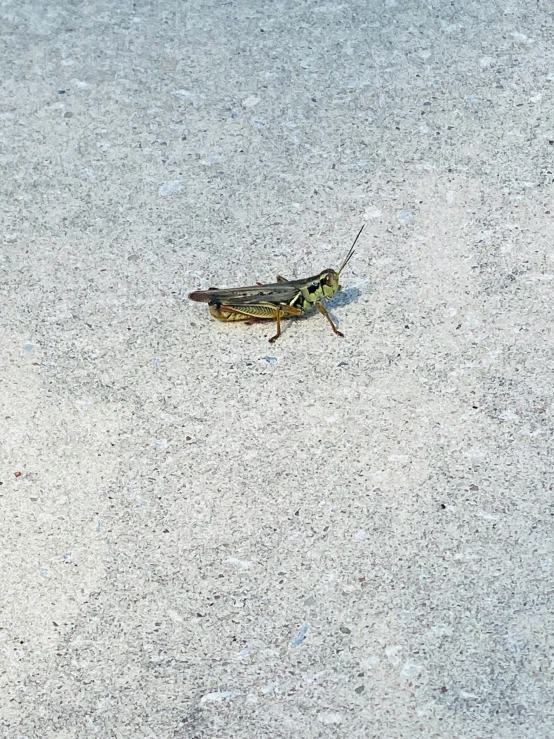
(329, 281)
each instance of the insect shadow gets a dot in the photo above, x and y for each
(344, 297)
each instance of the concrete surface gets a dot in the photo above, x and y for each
(204, 535)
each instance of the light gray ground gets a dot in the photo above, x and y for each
(205, 535)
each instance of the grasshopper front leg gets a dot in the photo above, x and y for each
(323, 310)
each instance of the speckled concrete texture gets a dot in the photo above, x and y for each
(204, 535)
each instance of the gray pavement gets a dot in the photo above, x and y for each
(206, 535)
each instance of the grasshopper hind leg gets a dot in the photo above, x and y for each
(279, 313)
(278, 319)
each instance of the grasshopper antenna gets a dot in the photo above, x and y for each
(349, 255)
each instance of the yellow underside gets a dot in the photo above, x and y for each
(252, 312)
(222, 313)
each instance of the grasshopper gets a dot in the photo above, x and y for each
(272, 302)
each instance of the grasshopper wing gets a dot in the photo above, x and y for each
(278, 292)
